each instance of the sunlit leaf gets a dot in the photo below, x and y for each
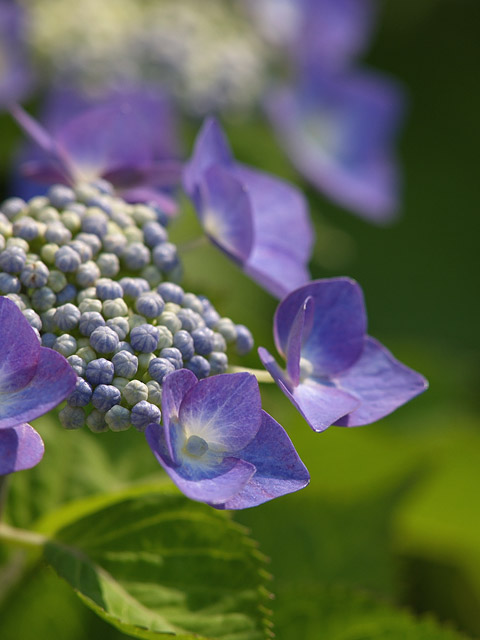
(152, 562)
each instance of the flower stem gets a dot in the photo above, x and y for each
(260, 374)
(190, 245)
(21, 537)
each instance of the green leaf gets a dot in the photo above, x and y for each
(312, 612)
(153, 563)
(76, 464)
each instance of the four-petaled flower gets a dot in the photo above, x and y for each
(33, 380)
(219, 446)
(336, 374)
(338, 129)
(259, 221)
(127, 139)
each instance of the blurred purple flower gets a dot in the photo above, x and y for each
(219, 446)
(339, 130)
(331, 33)
(15, 76)
(33, 380)
(326, 32)
(127, 139)
(257, 220)
(336, 374)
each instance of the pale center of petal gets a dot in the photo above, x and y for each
(212, 225)
(196, 446)
(306, 369)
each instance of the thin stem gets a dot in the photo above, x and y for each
(190, 245)
(21, 537)
(260, 374)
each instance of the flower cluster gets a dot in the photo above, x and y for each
(33, 380)
(210, 58)
(94, 277)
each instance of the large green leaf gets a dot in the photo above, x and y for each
(151, 562)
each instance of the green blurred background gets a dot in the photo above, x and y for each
(393, 508)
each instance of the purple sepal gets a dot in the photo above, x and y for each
(213, 486)
(278, 468)
(174, 390)
(19, 349)
(227, 407)
(33, 379)
(53, 381)
(21, 448)
(15, 75)
(335, 335)
(336, 374)
(268, 231)
(211, 446)
(331, 33)
(127, 138)
(381, 383)
(320, 403)
(339, 131)
(226, 213)
(300, 329)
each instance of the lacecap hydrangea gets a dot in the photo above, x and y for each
(97, 279)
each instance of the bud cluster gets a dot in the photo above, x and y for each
(96, 278)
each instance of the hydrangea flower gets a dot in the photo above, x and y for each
(33, 380)
(219, 446)
(330, 32)
(15, 76)
(257, 220)
(336, 374)
(338, 129)
(127, 139)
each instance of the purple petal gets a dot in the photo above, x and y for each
(381, 383)
(226, 214)
(279, 469)
(224, 410)
(127, 135)
(332, 32)
(15, 75)
(175, 387)
(21, 448)
(301, 326)
(339, 131)
(104, 139)
(42, 173)
(320, 404)
(211, 148)
(283, 235)
(54, 159)
(159, 175)
(53, 381)
(215, 485)
(19, 349)
(339, 324)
